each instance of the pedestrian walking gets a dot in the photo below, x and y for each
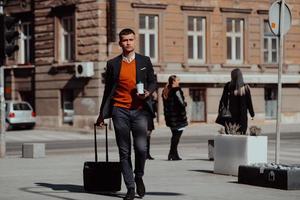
(175, 113)
(236, 102)
(129, 81)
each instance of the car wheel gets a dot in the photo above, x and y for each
(31, 126)
(7, 126)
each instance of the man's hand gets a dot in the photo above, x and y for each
(143, 96)
(100, 121)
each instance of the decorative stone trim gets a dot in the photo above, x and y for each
(187, 66)
(19, 66)
(267, 65)
(236, 65)
(25, 66)
(62, 68)
(262, 12)
(224, 77)
(63, 9)
(236, 10)
(197, 8)
(58, 65)
(58, 3)
(159, 66)
(149, 6)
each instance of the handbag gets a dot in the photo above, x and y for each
(224, 113)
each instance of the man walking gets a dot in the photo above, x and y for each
(128, 108)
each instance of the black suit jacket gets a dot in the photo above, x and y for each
(144, 74)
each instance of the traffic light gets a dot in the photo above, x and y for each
(8, 36)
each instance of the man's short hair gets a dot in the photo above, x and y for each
(126, 31)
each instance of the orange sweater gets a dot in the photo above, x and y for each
(125, 95)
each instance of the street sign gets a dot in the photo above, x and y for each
(275, 21)
(280, 20)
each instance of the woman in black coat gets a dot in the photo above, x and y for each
(238, 95)
(175, 113)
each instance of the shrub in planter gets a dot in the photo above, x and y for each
(254, 130)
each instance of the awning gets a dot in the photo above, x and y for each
(224, 78)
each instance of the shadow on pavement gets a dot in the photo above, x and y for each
(63, 188)
(201, 159)
(67, 187)
(202, 171)
(76, 188)
(235, 182)
(163, 193)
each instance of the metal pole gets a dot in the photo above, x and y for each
(2, 110)
(2, 104)
(278, 122)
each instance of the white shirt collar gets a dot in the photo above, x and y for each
(128, 59)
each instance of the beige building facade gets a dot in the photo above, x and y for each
(201, 41)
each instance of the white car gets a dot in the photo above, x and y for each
(19, 114)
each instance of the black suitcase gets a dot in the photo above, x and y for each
(101, 176)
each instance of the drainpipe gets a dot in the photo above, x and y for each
(111, 21)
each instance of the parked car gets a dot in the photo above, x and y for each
(19, 114)
(68, 112)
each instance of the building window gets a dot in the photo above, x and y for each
(270, 102)
(270, 45)
(235, 38)
(198, 105)
(148, 36)
(25, 54)
(196, 39)
(67, 39)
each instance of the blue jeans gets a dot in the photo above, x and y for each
(126, 120)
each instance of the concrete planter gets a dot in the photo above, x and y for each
(231, 151)
(287, 178)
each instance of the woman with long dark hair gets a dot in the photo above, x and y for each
(238, 95)
(175, 113)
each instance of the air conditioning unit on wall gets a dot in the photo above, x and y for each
(84, 69)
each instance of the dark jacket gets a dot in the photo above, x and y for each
(238, 106)
(174, 109)
(144, 74)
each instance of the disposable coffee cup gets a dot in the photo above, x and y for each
(140, 88)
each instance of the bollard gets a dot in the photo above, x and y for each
(211, 149)
(33, 150)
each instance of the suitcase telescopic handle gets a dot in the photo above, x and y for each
(95, 142)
